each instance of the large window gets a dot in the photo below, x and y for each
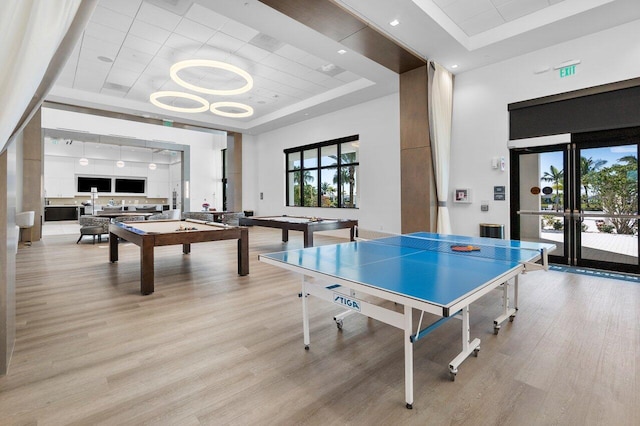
(324, 174)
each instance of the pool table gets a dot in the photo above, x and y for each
(308, 225)
(149, 234)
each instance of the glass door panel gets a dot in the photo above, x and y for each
(608, 182)
(542, 199)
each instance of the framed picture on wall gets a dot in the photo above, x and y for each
(462, 195)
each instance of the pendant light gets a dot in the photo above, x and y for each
(83, 161)
(120, 163)
(152, 165)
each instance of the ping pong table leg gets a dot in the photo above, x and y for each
(507, 310)
(468, 346)
(408, 356)
(305, 314)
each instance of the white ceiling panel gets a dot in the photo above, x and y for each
(129, 65)
(194, 31)
(517, 9)
(141, 45)
(225, 42)
(154, 15)
(111, 19)
(149, 32)
(135, 55)
(463, 10)
(290, 52)
(482, 22)
(205, 16)
(125, 7)
(87, 81)
(180, 42)
(239, 31)
(122, 77)
(105, 33)
(252, 53)
(93, 47)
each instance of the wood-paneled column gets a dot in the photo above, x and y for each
(32, 173)
(234, 172)
(418, 204)
(8, 242)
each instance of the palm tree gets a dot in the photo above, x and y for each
(631, 160)
(307, 178)
(588, 167)
(347, 175)
(556, 176)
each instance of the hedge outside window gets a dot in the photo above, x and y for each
(324, 174)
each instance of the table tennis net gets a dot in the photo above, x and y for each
(496, 251)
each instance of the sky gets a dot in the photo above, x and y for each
(610, 154)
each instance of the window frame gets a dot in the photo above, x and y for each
(318, 168)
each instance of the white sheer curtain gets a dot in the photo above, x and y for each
(31, 31)
(440, 94)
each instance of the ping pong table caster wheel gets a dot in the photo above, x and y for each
(511, 318)
(306, 347)
(452, 375)
(496, 329)
(475, 352)
(339, 324)
(409, 406)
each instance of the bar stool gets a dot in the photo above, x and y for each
(25, 220)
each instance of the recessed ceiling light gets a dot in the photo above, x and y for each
(394, 22)
(104, 59)
(454, 66)
(342, 51)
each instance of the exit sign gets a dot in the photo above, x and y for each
(567, 71)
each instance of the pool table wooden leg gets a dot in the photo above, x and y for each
(308, 238)
(146, 266)
(113, 248)
(186, 248)
(285, 235)
(243, 253)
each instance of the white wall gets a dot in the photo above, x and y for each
(206, 164)
(481, 120)
(377, 122)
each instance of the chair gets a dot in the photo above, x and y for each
(25, 220)
(232, 218)
(174, 214)
(129, 219)
(207, 217)
(146, 209)
(94, 226)
(159, 216)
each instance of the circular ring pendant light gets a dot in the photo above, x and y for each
(248, 111)
(153, 98)
(175, 68)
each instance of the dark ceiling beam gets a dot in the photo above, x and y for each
(342, 26)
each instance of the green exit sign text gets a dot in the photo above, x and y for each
(567, 71)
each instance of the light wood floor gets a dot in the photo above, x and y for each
(209, 347)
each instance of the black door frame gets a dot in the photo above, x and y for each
(572, 214)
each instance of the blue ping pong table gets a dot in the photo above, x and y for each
(419, 271)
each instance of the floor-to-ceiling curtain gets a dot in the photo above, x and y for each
(30, 33)
(440, 93)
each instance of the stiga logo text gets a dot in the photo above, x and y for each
(341, 299)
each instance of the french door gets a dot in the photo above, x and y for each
(583, 196)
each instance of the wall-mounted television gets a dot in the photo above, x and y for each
(130, 186)
(86, 183)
